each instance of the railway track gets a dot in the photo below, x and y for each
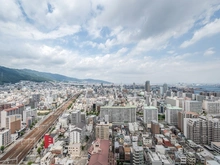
(20, 149)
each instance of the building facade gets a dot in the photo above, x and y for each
(102, 130)
(75, 117)
(171, 115)
(119, 114)
(150, 113)
(5, 137)
(193, 106)
(147, 86)
(48, 140)
(203, 130)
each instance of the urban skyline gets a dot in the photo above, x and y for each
(174, 41)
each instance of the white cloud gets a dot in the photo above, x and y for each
(114, 67)
(137, 23)
(209, 52)
(207, 31)
(117, 37)
(29, 32)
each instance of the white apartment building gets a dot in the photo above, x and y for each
(75, 135)
(137, 154)
(172, 101)
(28, 112)
(64, 120)
(171, 115)
(11, 111)
(150, 113)
(211, 107)
(5, 137)
(203, 130)
(119, 114)
(192, 106)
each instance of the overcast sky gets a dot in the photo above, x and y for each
(121, 41)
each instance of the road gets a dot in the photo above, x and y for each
(20, 149)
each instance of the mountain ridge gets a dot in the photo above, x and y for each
(11, 75)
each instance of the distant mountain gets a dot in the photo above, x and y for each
(9, 75)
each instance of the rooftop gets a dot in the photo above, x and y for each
(216, 144)
(122, 107)
(101, 157)
(149, 107)
(174, 108)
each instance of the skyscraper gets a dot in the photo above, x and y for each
(165, 88)
(147, 86)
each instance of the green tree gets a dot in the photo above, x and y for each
(87, 138)
(39, 150)
(21, 133)
(2, 148)
(29, 163)
(42, 144)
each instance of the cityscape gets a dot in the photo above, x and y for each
(67, 123)
(95, 82)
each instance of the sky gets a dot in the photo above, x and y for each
(121, 41)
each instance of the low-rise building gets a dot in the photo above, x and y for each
(47, 159)
(74, 149)
(99, 152)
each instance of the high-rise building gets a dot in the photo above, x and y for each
(193, 106)
(211, 107)
(172, 101)
(36, 97)
(148, 98)
(11, 111)
(200, 97)
(150, 113)
(171, 115)
(5, 137)
(165, 88)
(75, 135)
(102, 130)
(161, 91)
(134, 86)
(197, 131)
(147, 86)
(137, 154)
(119, 114)
(28, 112)
(13, 122)
(182, 115)
(155, 127)
(204, 130)
(75, 117)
